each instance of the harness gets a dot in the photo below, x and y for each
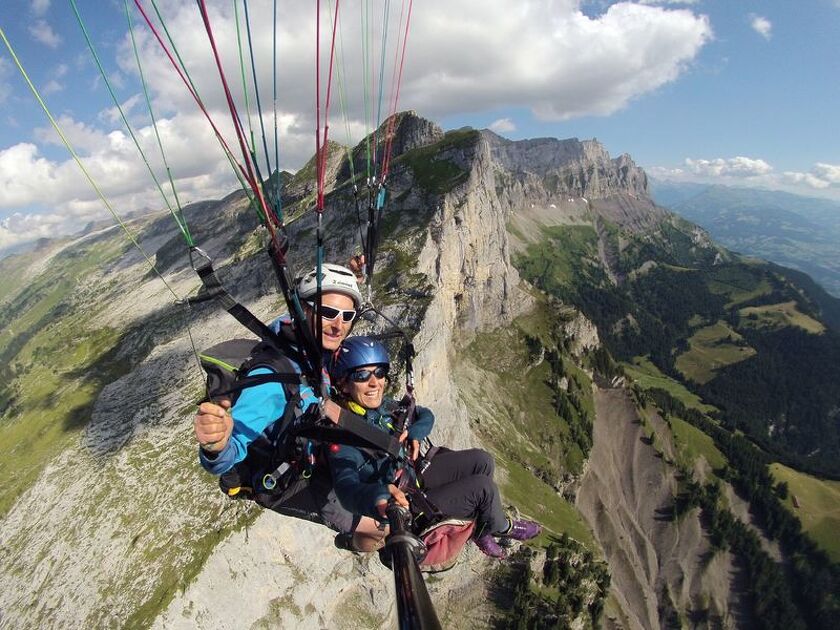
(283, 458)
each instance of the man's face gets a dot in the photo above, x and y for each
(335, 330)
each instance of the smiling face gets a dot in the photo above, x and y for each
(334, 330)
(368, 393)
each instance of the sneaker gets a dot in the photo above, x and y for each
(489, 547)
(521, 529)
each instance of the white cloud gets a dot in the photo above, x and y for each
(503, 125)
(827, 172)
(51, 87)
(43, 33)
(808, 179)
(822, 179)
(731, 167)
(821, 176)
(761, 25)
(39, 8)
(565, 64)
(112, 114)
(670, 1)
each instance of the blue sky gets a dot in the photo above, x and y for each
(740, 92)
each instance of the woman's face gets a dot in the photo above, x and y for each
(364, 387)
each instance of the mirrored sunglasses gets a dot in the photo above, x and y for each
(363, 376)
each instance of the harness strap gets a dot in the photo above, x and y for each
(377, 438)
(215, 290)
(351, 437)
(260, 379)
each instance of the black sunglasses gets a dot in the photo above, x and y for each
(363, 376)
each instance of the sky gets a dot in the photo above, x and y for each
(736, 92)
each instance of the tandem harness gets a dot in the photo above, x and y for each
(283, 461)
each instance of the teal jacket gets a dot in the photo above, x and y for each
(361, 479)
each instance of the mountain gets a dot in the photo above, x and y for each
(790, 230)
(524, 270)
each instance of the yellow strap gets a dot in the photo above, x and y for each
(356, 408)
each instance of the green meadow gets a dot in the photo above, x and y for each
(819, 506)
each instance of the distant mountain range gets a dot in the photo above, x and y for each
(794, 231)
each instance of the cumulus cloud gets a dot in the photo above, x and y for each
(827, 172)
(503, 125)
(822, 178)
(44, 33)
(761, 25)
(566, 63)
(808, 179)
(39, 8)
(670, 1)
(731, 167)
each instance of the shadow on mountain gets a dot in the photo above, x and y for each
(134, 391)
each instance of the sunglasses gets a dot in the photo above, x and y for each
(329, 313)
(363, 376)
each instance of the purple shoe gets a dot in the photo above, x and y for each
(489, 547)
(523, 530)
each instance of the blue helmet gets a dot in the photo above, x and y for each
(359, 351)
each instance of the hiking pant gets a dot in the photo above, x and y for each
(460, 484)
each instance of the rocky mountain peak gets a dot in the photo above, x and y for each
(570, 167)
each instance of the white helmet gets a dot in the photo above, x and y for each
(334, 279)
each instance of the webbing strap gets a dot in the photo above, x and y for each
(261, 379)
(352, 430)
(215, 290)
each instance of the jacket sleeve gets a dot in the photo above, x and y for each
(355, 495)
(422, 425)
(256, 408)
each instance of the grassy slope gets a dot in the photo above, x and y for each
(738, 284)
(648, 376)
(56, 377)
(819, 506)
(516, 419)
(778, 316)
(693, 443)
(711, 348)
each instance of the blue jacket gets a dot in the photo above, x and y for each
(360, 479)
(254, 413)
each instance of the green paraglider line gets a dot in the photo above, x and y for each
(78, 161)
(95, 186)
(256, 88)
(182, 221)
(185, 77)
(178, 220)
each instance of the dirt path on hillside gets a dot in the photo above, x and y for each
(663, 572)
